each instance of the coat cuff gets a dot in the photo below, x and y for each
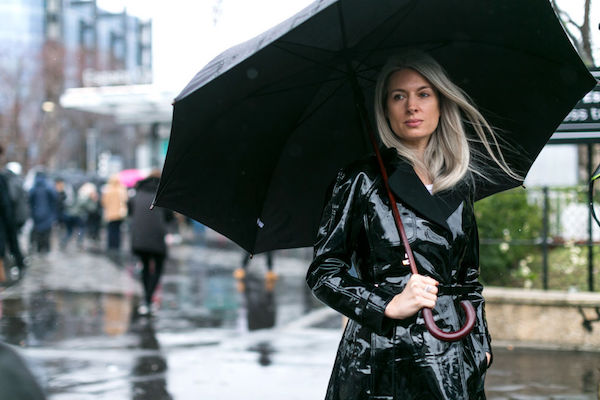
(374, 311)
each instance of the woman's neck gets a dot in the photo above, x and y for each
(423, 176)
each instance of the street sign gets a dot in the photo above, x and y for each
(583, 122)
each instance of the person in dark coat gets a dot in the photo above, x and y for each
(360, 267)
(8, 227)
(61, 201)
(42, 200)
(148, 231)
(8, 232)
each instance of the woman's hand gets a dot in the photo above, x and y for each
(420, 291)
(489, 358)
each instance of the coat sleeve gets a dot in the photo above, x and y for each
(471, 268)
(328, 275)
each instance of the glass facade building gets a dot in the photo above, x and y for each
(49, 46)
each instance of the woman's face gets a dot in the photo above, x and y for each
(412, 107)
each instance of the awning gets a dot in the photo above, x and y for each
(131, 104)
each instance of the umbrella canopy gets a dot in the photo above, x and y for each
(260, 132)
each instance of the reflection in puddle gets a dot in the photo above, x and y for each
(50, 316)
(260, 303)
(13, 325)
(149, 368)
(524, 373)
(264, 349)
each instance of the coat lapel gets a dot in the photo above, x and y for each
(409, 190)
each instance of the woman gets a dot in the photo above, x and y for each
(359, 267)
(148, 232)
(114, 203)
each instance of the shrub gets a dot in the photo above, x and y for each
(509, 227)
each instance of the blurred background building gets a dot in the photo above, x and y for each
(49, 47)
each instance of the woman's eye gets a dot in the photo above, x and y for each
(424, 94)
(398, 97)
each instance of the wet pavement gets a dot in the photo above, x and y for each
(73, 317)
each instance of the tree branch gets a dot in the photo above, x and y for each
(583, 44)
(586, 33)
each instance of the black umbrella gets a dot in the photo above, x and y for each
(260, 132)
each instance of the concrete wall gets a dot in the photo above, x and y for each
(543, 318)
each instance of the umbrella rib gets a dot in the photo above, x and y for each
(306, 46)
(359, 74)
(303, 57)
(406, 11)
(306, 117)
(290, 88)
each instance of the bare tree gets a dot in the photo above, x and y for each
(20, 91)
(579, 33)
(32, 123)
(52, 62)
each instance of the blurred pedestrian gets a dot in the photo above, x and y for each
(73, 219)
(63, 196)
(42, 201)
(114, 203)
(240, 273)
(17, 193)
(259, 296)
(89, 200)
(148, 231)
(8, 229)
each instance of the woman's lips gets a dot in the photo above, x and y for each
(413, 123)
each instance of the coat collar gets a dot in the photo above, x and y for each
(409, 190)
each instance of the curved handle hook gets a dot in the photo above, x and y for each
(451, 336)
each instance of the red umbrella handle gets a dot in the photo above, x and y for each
(451, 336)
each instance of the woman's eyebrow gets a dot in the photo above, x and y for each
(404, 90)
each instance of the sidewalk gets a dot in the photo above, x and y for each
(167, 356)
(74, 271)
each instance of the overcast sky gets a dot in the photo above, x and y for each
(187, 34)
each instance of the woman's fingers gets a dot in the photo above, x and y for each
(427, 280)
(424, 289)
(424, 283)
(430, 289)
(420, 292)
(426, 299)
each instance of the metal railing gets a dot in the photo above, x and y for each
(540, 238)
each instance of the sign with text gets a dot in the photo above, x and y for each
(583, 122)
(135, 76)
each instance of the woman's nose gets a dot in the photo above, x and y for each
(411, 105)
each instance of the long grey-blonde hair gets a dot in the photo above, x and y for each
(448, 155)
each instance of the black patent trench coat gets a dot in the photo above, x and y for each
(358, 268)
